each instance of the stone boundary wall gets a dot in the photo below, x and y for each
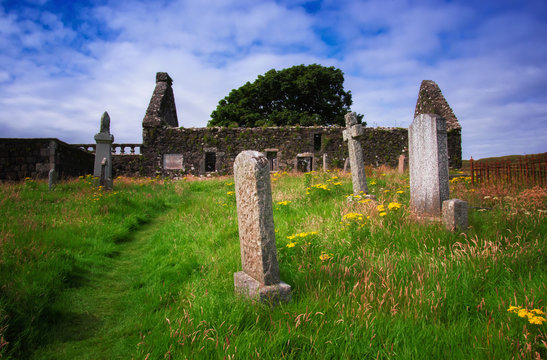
(380, 146)
(20, 158)
(128, 165)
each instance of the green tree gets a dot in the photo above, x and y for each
(301, 95)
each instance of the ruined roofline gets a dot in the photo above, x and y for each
(431, 101)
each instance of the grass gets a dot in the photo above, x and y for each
(146, 272)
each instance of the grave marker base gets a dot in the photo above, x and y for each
(250, 288)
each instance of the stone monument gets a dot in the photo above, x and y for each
(455, 214)
(428, 161)
(52, 179)
(259, 279)
(352, 134)
(401, 166)
(103, 153)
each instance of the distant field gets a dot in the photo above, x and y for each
(146, 272)
(513, 158)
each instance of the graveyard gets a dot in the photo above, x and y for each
(146, 270)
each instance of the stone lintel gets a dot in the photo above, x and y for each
(252, 289)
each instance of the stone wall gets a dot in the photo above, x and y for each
(20, 158)
(286, 144)
(128, 165)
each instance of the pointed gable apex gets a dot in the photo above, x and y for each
(162, 110)
(432, 101)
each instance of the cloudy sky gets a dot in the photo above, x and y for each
(64, 62)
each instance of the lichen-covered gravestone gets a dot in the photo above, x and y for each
(103, 153)
(259, 279)
(352, 134)
(428, 162)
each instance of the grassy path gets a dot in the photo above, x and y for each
(99, 317)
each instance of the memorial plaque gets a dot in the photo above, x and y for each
(172, 162)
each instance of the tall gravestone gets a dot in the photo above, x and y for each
(260, 276)
(428, 162)
(352, 134)
(103, 153)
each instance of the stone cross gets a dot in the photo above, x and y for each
(428, 160)
(352, 134)
(259, 279)
(103, 153)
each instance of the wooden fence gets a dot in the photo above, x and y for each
(529, 170)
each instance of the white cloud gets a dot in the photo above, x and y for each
(56, 81)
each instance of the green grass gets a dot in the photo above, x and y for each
(146, 272)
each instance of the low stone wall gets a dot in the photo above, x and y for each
(20, 158)
(128, 165)
(454, 144)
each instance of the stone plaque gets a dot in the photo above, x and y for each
(172, 162)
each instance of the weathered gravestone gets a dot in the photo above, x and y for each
(352, 134)
(428, 160)
(455, 214)
(103, 153)
(52, 179)
(325, 162)
(259, 279)
(401, 166)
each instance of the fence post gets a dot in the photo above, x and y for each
(472, 172)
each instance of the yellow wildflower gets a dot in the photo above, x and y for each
(291, 244)
(538, 320)
(394, 206)
(325, 256)
(383, 213)
(230, 193)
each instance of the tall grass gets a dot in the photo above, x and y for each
(147, 272)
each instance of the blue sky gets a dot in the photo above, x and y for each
(63, 63)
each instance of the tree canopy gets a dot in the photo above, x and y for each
(301, 95)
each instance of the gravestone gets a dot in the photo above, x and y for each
(103, 153)
(455, 214)
(259, 279)
(428, 160)
(352, 134)
(52, 179)
(346, 165)
(401, 167)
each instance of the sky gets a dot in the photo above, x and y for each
(63, 63)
